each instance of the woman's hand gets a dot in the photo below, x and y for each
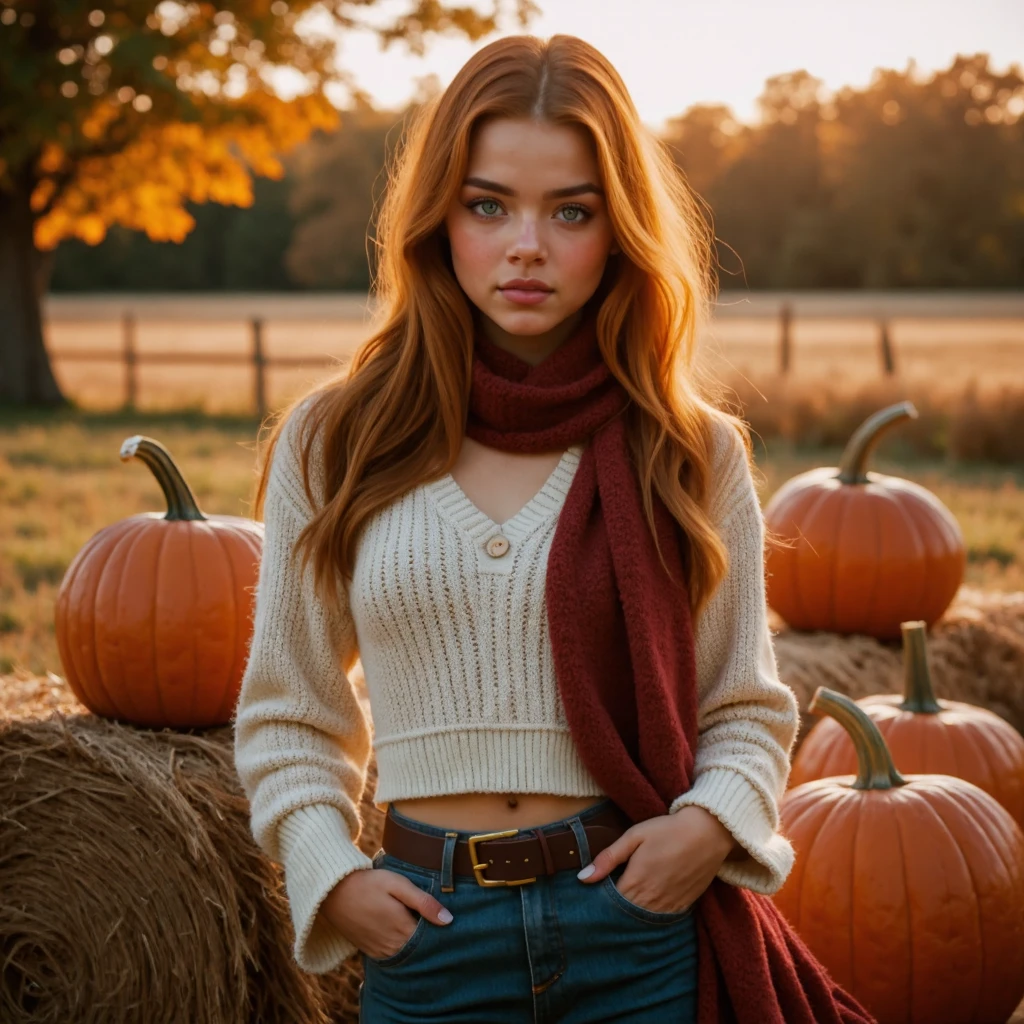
(672, 859)
(371, 908)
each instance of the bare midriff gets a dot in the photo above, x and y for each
(493, 812)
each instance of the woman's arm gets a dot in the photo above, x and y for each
(747, 718)
(302, 740)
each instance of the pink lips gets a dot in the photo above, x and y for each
(526, 292)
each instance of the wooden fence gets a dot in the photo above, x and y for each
(256, 311)
(130, 357)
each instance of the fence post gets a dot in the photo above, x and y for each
(259, 363)
(131, 359)
(785, 337)
(886, 349)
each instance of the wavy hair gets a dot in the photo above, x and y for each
(396, 417)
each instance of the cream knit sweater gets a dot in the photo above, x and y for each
(451, 629)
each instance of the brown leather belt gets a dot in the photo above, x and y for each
(514, 857)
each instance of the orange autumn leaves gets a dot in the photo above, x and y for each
(125, 113)
(146, 185)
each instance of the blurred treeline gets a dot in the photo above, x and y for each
(916, 181)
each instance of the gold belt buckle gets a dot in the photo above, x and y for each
(478, 869)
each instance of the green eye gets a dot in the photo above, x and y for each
(488, 207)
(578, 214)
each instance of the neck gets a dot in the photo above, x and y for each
(532, 348)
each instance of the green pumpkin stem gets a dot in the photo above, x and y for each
(852, 466)
(181, 502)
(918, 695)
(875, 769)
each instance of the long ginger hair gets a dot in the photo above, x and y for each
(396, 418)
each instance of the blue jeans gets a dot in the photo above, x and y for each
(557, 949)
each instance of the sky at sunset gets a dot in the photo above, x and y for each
(674, 53)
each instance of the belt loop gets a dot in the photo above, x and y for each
(549, 864)
(581, 840)
(447, 858)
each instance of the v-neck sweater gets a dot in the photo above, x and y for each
(446, 611)
(473, 706)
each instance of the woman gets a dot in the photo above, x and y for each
(543, 541)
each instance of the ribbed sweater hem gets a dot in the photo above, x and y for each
(318, 853)
(488, 759)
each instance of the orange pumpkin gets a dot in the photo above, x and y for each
(154, 614)
(909, 890)
(860, 552)
(925, 735)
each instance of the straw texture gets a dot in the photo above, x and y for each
(133, 889)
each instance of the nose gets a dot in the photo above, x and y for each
(527, 246)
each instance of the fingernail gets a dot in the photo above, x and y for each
(586, 872)
(444, 915)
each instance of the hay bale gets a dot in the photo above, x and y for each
(133, 889)
(976, 651)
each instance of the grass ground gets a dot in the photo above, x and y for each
(61, 480)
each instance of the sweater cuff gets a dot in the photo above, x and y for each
(317, 853)
(737, 804)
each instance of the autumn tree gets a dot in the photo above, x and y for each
(916, 181)
(927, 178)
(123, 111)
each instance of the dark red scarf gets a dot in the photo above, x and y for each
(622, 641)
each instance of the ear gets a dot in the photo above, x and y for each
(614, 250)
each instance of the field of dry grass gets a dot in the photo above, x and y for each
(61, 480)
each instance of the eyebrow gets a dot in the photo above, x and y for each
(556, 193)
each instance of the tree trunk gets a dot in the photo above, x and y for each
(26, 377)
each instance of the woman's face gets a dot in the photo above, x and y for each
(530, 209)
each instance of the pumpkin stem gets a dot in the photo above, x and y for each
(875, 769)
(181, 502)
(855, 456)
(918, 695)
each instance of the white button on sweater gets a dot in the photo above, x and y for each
(454, 645)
